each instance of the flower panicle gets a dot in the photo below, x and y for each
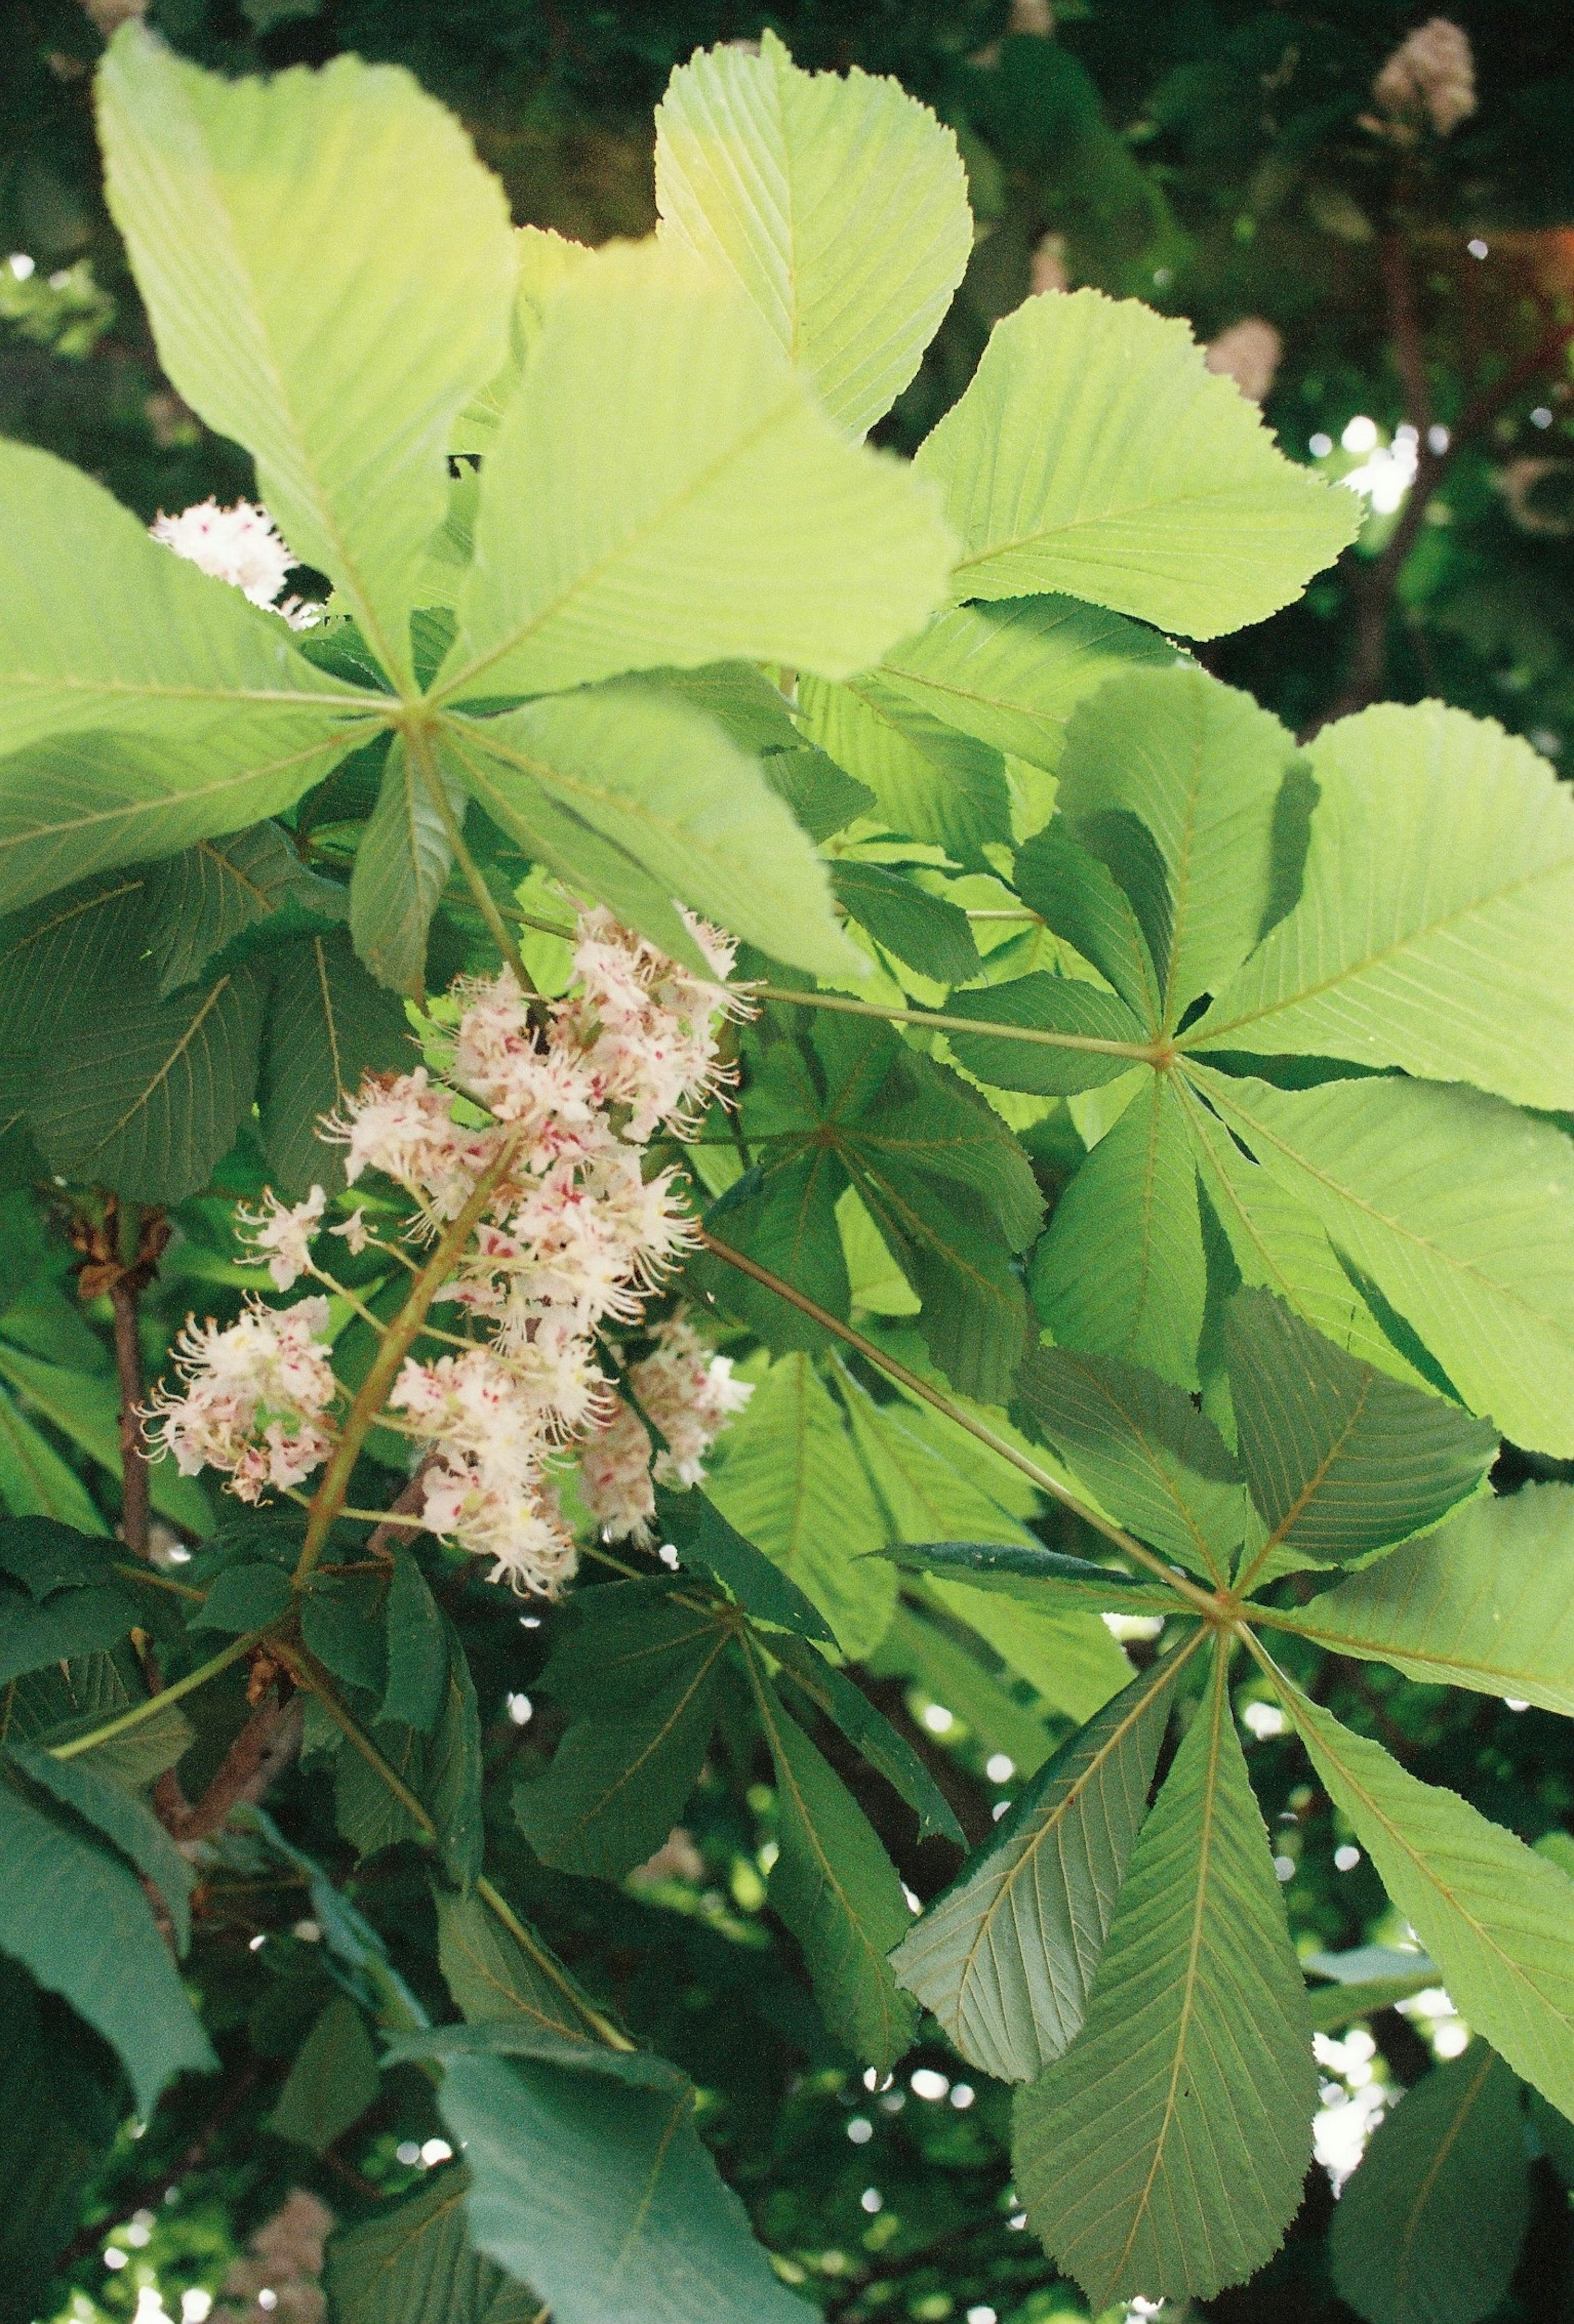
(576, 1235)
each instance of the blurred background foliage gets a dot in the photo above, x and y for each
(1224, 163)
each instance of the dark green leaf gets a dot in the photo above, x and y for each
(492, 1976)
(76, 1916)
(702, 1536)
(72, 1622)
(84, 1786)
(342, 1623)
(1342, 1461)
(519, 2037)
(1428, 2230)
(1005, 1957)
(838, 1891)
(412, 2263)
(47, 1556)
(820, 796)
(244, 1597)
(212, 906)
(328, 1023)
(870, 1732)
(417, 1648)
(1153, 1460)
(1018, 1570)
(1077, 896)
(401, 868)
(332, 2084)
(59, 2113)
(927, 932)
(1041, 1003)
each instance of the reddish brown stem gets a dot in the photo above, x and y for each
(134, 1505)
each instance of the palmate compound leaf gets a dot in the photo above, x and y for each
(1077, 897)
(1121, 1272)
(1429, 2228)
(1163, 2153)
(1458, 1208)
(1341, 1461)
(1488, 1603)
(662, 789)
(837, 1890)
(929, 782)
(1093, 453)
(1004, 1958)
(413, 2264)
(600, 2194)
(1434, 928)
(1493, 1914)
(73, 1912)
(1068, 1012)
(248, 891)
(1214, 780)
(839, 205)
(329, 272)
(666, 490)
(1156, 1463)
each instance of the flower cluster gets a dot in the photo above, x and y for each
(238, 545)
(1250, 353)
(254, 1398)
(279, 2282)
(1431, 76)
(523, 1151)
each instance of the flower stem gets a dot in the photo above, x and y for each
(1201, 1600)
(141, 1712)
(1141, 1053)
(333, 1491)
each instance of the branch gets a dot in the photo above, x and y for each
(260, 1753)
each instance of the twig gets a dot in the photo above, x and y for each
(260, 1753)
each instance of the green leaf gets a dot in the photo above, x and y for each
(150, 1093)
(244, 1598)
(1460, 1210)
(667, 786)
(61, 2113)
(48, 1557)
(1011, 675)
(1156, 1463)
(1428, 2230)
(401, 867)
(1341, 1462)
(703, 1537)
(85, 1408)
(838, 1891)
(872, 1734)
(329, 270)
(417, 1648)
(1209, 776)
(624, 1771)
(342, 1619)
(1093, 454)
(1078, 897)
(917, 1647)
(1121, 1271)
(1023, 1573)
(1488, 1603)
(1492, 1912)
(1166, 2148)
(602, 2197)
(1005, 1956)
(34, 1481)
(332, 2082)
(666, 490)
(786, 1476)
(94, 1795)
(930, 782)
(1042, 1003)
(839, 204)
(155, 648)
(226, 898)
(491, 1975)
(413, 2263)
(75, 1622)
(1331, 2006)
(1434, 928)
(328, 1024)
(926, 932)
(1278, 1245)
(639, 2069)
(76, 1916)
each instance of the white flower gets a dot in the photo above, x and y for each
(237, 545)
(1432, 73)
(1249, 353)
(356, 1234)
(614, 1478)
(689, 1395)
(284, 1234)
(253, 1397)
